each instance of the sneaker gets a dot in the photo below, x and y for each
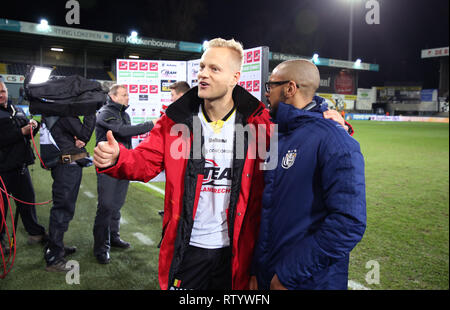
(58, 266)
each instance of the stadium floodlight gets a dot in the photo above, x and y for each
(358, 62)
(40, 74)
(205, 44)
(57, 49)
(315, 58)
(133, 38)
(43, 25)
(133, 56)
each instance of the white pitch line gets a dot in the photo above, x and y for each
(357, 286)
(89, 194)
(123, 221)
(143, 238)
(155, 188)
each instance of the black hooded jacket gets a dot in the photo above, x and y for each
(67, 128)
(15, 148)
(112, 116)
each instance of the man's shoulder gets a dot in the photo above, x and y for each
(334, 136)
(107, 111)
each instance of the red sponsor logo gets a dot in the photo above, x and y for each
(123, 65)
(143, 66)
(242, 83)
(153, 89)
(257, 55)
(143, 89)
(255, 85)
(249, 57)
(133, 65)
(248, 86)
(344, 84)
(153, 66)
(133, 89)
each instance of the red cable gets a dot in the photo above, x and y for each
(24, 202)
(5, 272)
(3, 221)
(35, 148)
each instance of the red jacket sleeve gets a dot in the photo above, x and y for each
(144, 162)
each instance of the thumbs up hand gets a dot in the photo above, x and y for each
(106, 152)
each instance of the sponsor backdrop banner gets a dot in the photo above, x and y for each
(251, 76)
(148, 82)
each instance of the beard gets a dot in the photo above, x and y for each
(273, 110)
(274, 107)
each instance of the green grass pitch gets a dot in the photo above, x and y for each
(407, 188)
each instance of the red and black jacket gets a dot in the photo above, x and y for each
(184, 178)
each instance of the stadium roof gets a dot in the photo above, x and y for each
(28, 35)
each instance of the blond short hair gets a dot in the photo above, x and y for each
(231, 44)
(114, 88)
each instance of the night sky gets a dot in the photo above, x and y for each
(290, 26)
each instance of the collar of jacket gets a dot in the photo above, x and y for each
(7, 108)
(116, 105)
(289, 117)
(183, 109)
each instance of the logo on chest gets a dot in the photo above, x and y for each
(289, 159)
(215, 175)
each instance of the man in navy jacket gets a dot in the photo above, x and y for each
(314, 206)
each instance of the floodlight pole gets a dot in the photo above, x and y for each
(350, 32)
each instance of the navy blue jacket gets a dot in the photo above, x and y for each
(314, 205)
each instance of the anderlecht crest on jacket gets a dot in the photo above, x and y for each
(289, 159)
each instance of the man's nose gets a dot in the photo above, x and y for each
(202, 74)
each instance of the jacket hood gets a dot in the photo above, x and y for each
(288, 117)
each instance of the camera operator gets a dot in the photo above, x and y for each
(70, 135)
(15, 156)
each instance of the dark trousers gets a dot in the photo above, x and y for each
(18, 184)
(66, 184)
(111, 197)
(204, 269)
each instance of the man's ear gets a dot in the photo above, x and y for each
(236, 78)
(291, 89)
